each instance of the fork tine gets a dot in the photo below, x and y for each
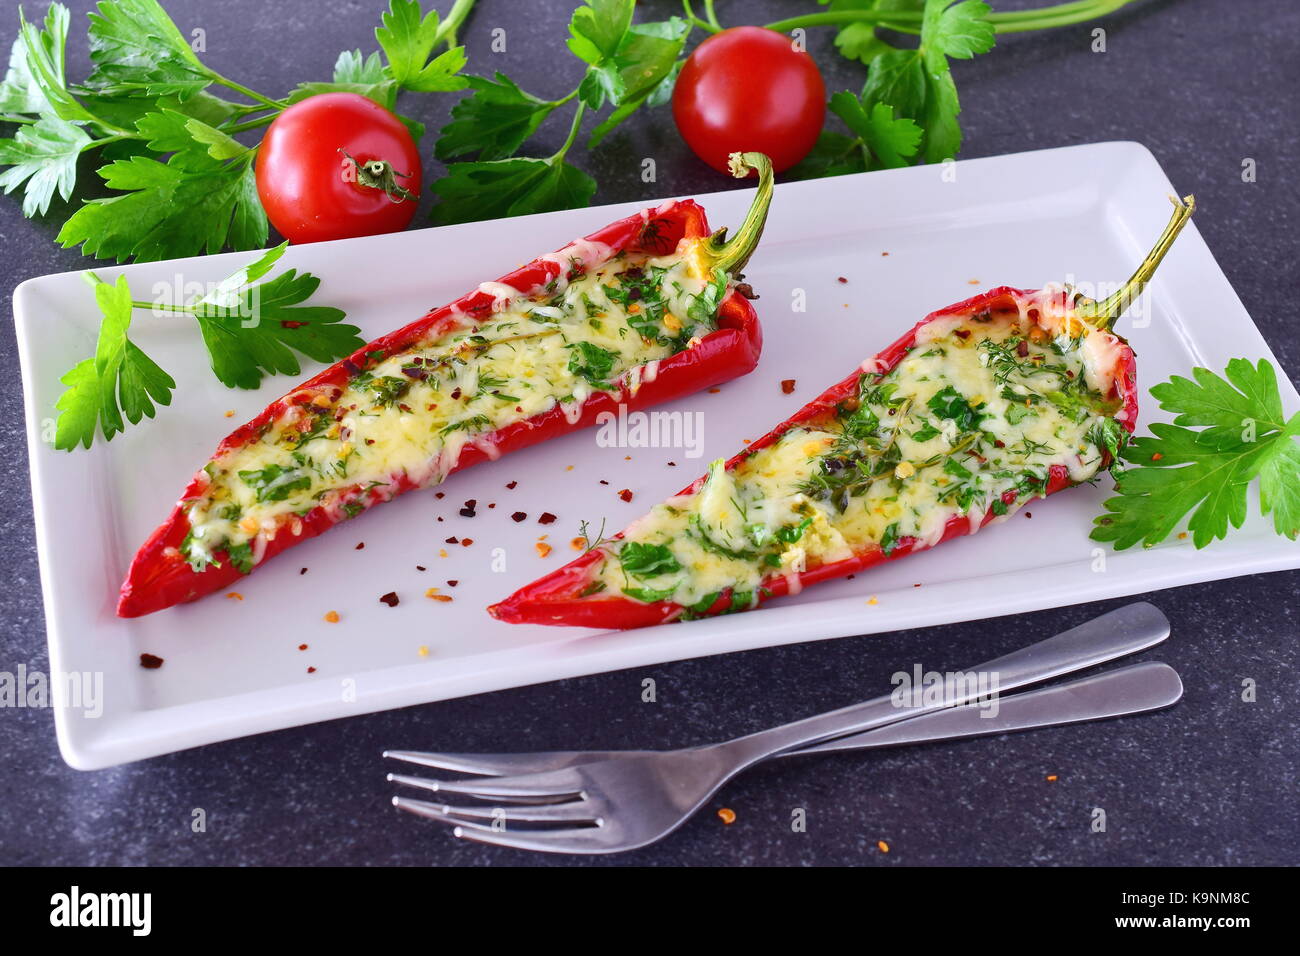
(488, 765)
(576, 812)
(558, 783)
(587, 840)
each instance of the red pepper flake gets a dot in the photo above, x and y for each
(440, 494)
(419, 567)
(404, 408)
(361, 546)
(884, 253)
(390, 599)
(962, 333)
(672, 464)
(492, 504)
(603, 481)
(452, 584)
(311, 670)
(999, 443)
(714, 391)
(842, 281)
(1028, 514)
(850, 577)
(512, 485)
(150, 662)
(453, 540)
(546, 518)
(455, 393)
(916, 585)
(439, 517)
(466, 542)
(303, 647)
(543, 549)
(1022, 348)
(370, 441)
(468, 511)
(303, 571)
(235, 595)
(787, 386)
(1157, 456)
(520, 516)
(626, 494)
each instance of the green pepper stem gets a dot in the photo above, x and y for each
(1108, 311)
(730, 255)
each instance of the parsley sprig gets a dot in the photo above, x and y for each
(250, 328)
(1244, 436)
(180, 181)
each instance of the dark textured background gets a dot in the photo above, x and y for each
(1204, 84)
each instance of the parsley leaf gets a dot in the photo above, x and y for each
(858, 41)
(597, 29)
(408, 39)
(494, 121)
(918, 83)
(647, 560)
(181, 208)
(252, 330)
(592, 363)
(510, 187)
(44, 155)
(646, 64)
(1244, 435)
(891, 142)
(120, 380)
(135, 47)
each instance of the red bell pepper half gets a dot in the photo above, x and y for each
(161, 576)
(564, 596)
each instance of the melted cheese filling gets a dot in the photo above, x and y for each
(412, 413)
(969, 423)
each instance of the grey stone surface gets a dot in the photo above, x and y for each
(1204, 85)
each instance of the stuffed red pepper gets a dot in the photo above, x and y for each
(983, 406)
(646, 310)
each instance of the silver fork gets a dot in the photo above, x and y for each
(608, 803)
(1122, 692)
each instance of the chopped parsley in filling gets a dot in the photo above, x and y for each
(968, 423)
(412, 413)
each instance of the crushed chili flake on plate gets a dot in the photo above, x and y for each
(332, 617)
(787, 386)
(361, 545)
(546, 518)
(519, 516)
(391, 599)
(512, 485)
(235, 595)
(543, 549)
(626, 494)
(150, 662)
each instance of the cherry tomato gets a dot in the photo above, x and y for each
(336, 166)
(749, 89)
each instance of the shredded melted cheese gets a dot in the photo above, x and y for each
(968, 424)
(603, 324)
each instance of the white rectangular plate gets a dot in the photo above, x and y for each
(908, 241)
